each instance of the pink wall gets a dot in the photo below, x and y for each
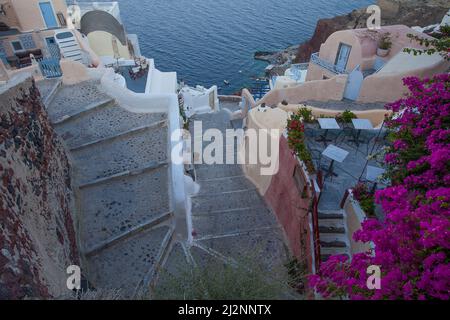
(291, 210)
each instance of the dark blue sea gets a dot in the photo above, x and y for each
(209, 41)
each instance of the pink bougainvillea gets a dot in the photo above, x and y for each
(411, 246)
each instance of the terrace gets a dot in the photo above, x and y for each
(362, 151)
(293, 76)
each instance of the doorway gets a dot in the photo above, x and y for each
(48, 14)
(342, 57)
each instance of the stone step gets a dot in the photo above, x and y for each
(70, 100)
(48, 89)
(331, 226)
(132, 132)
(224, 184)
(235, 221)
(226, 201)
(114, 156)
(106, 122)
(326, 257)
(334, 251)
(117, 206)
(326, 253)
(207, 172)
(128, 264)
(267, 244)
(331, 214)
(83, 111)
(333, 240)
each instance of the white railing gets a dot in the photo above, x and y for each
(156, 103)
(327, 65)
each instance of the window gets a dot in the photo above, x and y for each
(342, 57)
(64, 35)
(61, 19)
(17, 46)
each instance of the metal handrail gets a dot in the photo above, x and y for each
(315, 226)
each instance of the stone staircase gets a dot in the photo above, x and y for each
(230, 219)
(333, 234)
(121, 171)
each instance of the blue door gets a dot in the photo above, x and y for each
(354, 83)
(48, 14)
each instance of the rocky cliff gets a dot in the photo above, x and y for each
(408, 12)
(37, 236)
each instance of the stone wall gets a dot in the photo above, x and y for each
(37, 237)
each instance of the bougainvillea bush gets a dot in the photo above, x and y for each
(412, 245)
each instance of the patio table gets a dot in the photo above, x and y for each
(359, 125)
(327, 124)
(334, 154)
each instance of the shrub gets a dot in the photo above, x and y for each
(346, 116)
(385, 41)
(306, 115)
(246, 280)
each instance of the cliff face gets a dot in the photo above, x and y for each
(408, 12)
(37, 237)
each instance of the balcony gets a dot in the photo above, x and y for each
(327, 65)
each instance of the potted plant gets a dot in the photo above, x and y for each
(365, 198)
(345, 118)
(384, 45)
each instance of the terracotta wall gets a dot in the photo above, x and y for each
(291, 209)
(37, 234)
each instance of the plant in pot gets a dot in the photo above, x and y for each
(346, 117)
(384, 45)
(365, 198)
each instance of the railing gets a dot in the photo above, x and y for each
(315, 221)
(50, 68)
(327, 65)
